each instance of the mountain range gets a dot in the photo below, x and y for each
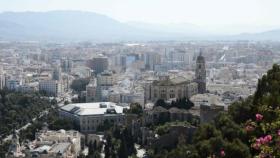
(80, 26)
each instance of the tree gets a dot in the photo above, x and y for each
(93, 151)
(135, 108)
(66, 102)
(122, 152)
(161, 102)
(242, 110)
(108, 146)
(60, 123)
(79, 85)
(17, 109)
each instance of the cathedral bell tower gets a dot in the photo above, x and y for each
(200, 73)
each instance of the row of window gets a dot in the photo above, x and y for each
(97, 121)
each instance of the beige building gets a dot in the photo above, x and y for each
(54, 144)
(167, 88)
(105, 80)
(91, 91)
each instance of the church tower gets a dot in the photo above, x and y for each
(200, 73)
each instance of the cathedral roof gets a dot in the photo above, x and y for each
(174, 81)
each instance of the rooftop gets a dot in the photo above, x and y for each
(97, 108)
(60, 147)
(173, 81)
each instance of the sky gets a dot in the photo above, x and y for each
(213, 14)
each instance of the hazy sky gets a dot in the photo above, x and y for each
(212, 13)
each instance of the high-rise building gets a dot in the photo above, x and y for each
(51, 87)
(66, 65)
(57, 73)
(91, 91)
(200, 73)
(98, 64)
(105, 80)
(152, 59)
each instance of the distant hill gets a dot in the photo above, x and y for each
(80, 26)
(273, 35)
(71, 25)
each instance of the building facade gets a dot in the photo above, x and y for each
(105, 80)
(98, 64)
(51, 87)
(91, 91)
(92, 116)
(47, 143)
(178, 87)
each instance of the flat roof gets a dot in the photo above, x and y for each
(96, 108)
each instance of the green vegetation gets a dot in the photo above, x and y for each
(163, 129)
(251, 128)
(53, 122)
(18, 109)
(119, 143)
(79, 85)
(94, 150)
(135, 108)
(181, 103)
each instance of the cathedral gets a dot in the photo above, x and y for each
(200, 74)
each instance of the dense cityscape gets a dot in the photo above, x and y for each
(139, 79)
(126, 99)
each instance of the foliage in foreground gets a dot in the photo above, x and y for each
(251, 128)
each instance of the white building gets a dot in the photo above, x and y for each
(51, 87)
(90, 116)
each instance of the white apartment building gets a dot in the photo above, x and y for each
(51, 87)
